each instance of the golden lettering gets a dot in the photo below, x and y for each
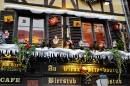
(7, 80)
(90, 69)
(113, 81)
(10, 80)
(64, 81)
(51, 68)
(61, 80)
(17, 79)
(2, 79)
(50, 80)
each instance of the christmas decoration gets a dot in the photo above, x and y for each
(55, 40)
(25, 51)
(116, 26)
(114, 43)
(81, 44)
(119, 61)
(53, 21)
(2, 39)
(76, 23)
(8, 19)
(69, 44)
(84, 72)
(86, 44)
(6, 34)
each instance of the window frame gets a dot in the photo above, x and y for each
(97, 21)
(31, 16)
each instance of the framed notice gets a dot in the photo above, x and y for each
(33, 81)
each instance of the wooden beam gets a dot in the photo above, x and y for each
(45, 2)
(101, 3)
(90, 6)
(63, 3)
(73, 3)
(111, 6)
(51, 2)
(77, 4)
(24, 1)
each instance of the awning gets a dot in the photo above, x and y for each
(58, 11)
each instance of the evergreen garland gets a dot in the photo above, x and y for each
(118, 59)
(23, 54)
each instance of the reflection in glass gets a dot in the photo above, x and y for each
(99, 33)
(87, 33)
(23, 29)
(38, 31)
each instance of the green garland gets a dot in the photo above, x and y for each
(118, 59)
(23, 54)
(87, 54)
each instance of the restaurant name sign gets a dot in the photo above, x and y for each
(75, 68)
(10, 66)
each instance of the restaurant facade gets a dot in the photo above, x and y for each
(50, 25)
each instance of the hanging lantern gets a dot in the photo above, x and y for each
(53, 21)
(116, 26)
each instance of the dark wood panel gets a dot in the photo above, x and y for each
(75, 32)
(7, 26)
(55, 30)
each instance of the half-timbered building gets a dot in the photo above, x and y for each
(54, 22)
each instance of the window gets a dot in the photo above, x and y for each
(36, 33)
(93, 34)
(23, 29)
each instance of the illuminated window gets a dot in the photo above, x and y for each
(38, 31)
(99, 33)
(87, 33)
(93, 34)
(24, 30)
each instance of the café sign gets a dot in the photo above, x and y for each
(7, 79)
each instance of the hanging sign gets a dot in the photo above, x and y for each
(8, 19)
(53, 21)
(76, 23)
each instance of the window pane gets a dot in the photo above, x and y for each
(99, 33)
(38, 31)
(23, 29)
(38, 23)
(24, 21)
(23, 34)
(87, 33)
